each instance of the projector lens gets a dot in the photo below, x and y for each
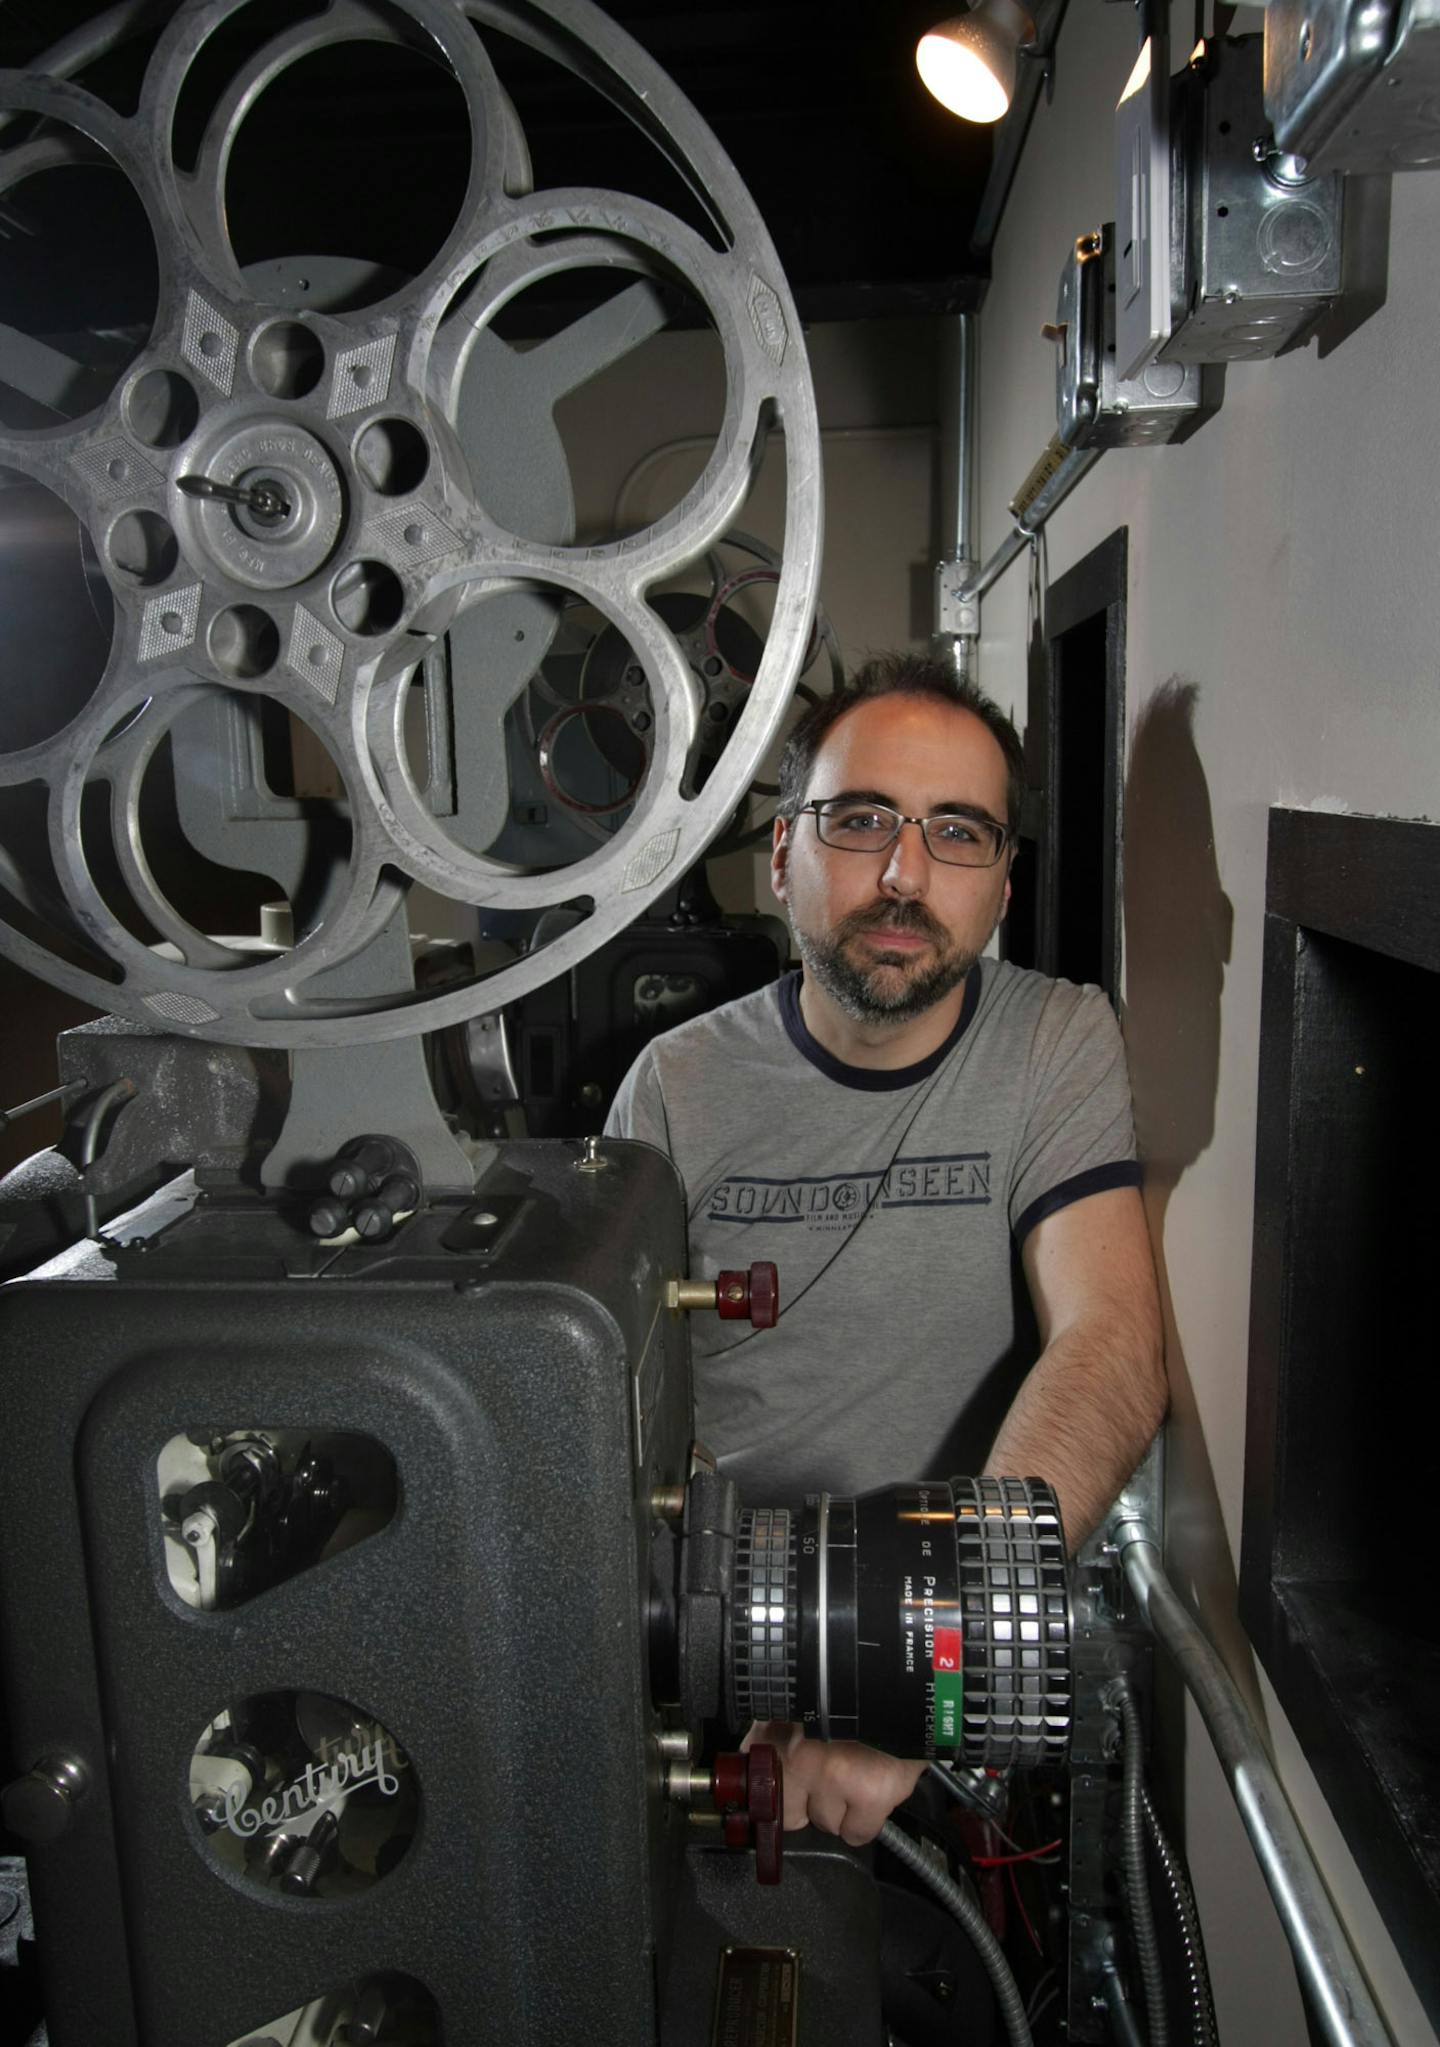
(930, 1619)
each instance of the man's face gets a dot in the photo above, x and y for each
(887, 935)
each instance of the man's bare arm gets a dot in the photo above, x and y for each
(1082, 1419)
(1096, 1394)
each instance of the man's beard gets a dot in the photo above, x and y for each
(854, 988)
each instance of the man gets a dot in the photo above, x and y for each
(891, 1127)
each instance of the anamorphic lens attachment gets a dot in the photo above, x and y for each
(926, 1619)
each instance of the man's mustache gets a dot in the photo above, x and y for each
(885, 915)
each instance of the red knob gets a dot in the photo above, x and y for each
(752, 1296)
(749, 1795)
(764, 1296)
(767, 1810)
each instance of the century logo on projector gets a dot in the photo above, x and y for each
(346, 1769)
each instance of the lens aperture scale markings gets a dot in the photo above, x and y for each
(907, 1588)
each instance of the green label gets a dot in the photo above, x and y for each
(949, 1693)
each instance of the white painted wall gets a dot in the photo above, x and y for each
(1282, 563)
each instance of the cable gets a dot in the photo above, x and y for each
(1203, 2029)
(1119, 1697)
(1023, 1855)
(1040, 2005)
(1044, 1991)
(1012, 2005)
(973, 1802)
(1029, 1924)
(927, 1088)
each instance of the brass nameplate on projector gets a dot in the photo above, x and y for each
(757, 1999)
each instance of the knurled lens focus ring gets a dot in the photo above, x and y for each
(1015, 1621)
(764, 1616)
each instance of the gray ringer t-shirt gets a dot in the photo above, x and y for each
(893, 1204)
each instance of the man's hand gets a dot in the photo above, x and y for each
(841, 1787)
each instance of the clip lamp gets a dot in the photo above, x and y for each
(968, 62)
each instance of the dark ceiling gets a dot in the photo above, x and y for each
(869, 189)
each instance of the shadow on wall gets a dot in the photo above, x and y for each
(1178, 927)
(1178, 924)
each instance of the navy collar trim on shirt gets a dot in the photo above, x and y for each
(872, 1079)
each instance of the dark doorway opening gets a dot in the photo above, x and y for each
(1065, 913)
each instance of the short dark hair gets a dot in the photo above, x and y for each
(902, 675)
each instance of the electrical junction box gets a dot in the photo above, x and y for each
(1164, 402)
(1354, 85)
(1143, 204)
(1257, 241)
(1078, 335)
(1095, 407)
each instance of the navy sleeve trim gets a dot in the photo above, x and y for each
(1094, 1180)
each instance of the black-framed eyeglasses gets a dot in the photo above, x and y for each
(852, 825)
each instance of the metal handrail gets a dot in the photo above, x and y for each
(1324, 1958)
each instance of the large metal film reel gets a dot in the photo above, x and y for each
(384, 540)
(583, 723)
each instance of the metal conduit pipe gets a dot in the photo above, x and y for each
(1137, 1883)
(959, 343)
(1324, 1958)
(959, 351)
(1007, 1993)
(1079, 462)
(1200, 2003)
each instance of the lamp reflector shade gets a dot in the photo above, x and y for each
(968, 62)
